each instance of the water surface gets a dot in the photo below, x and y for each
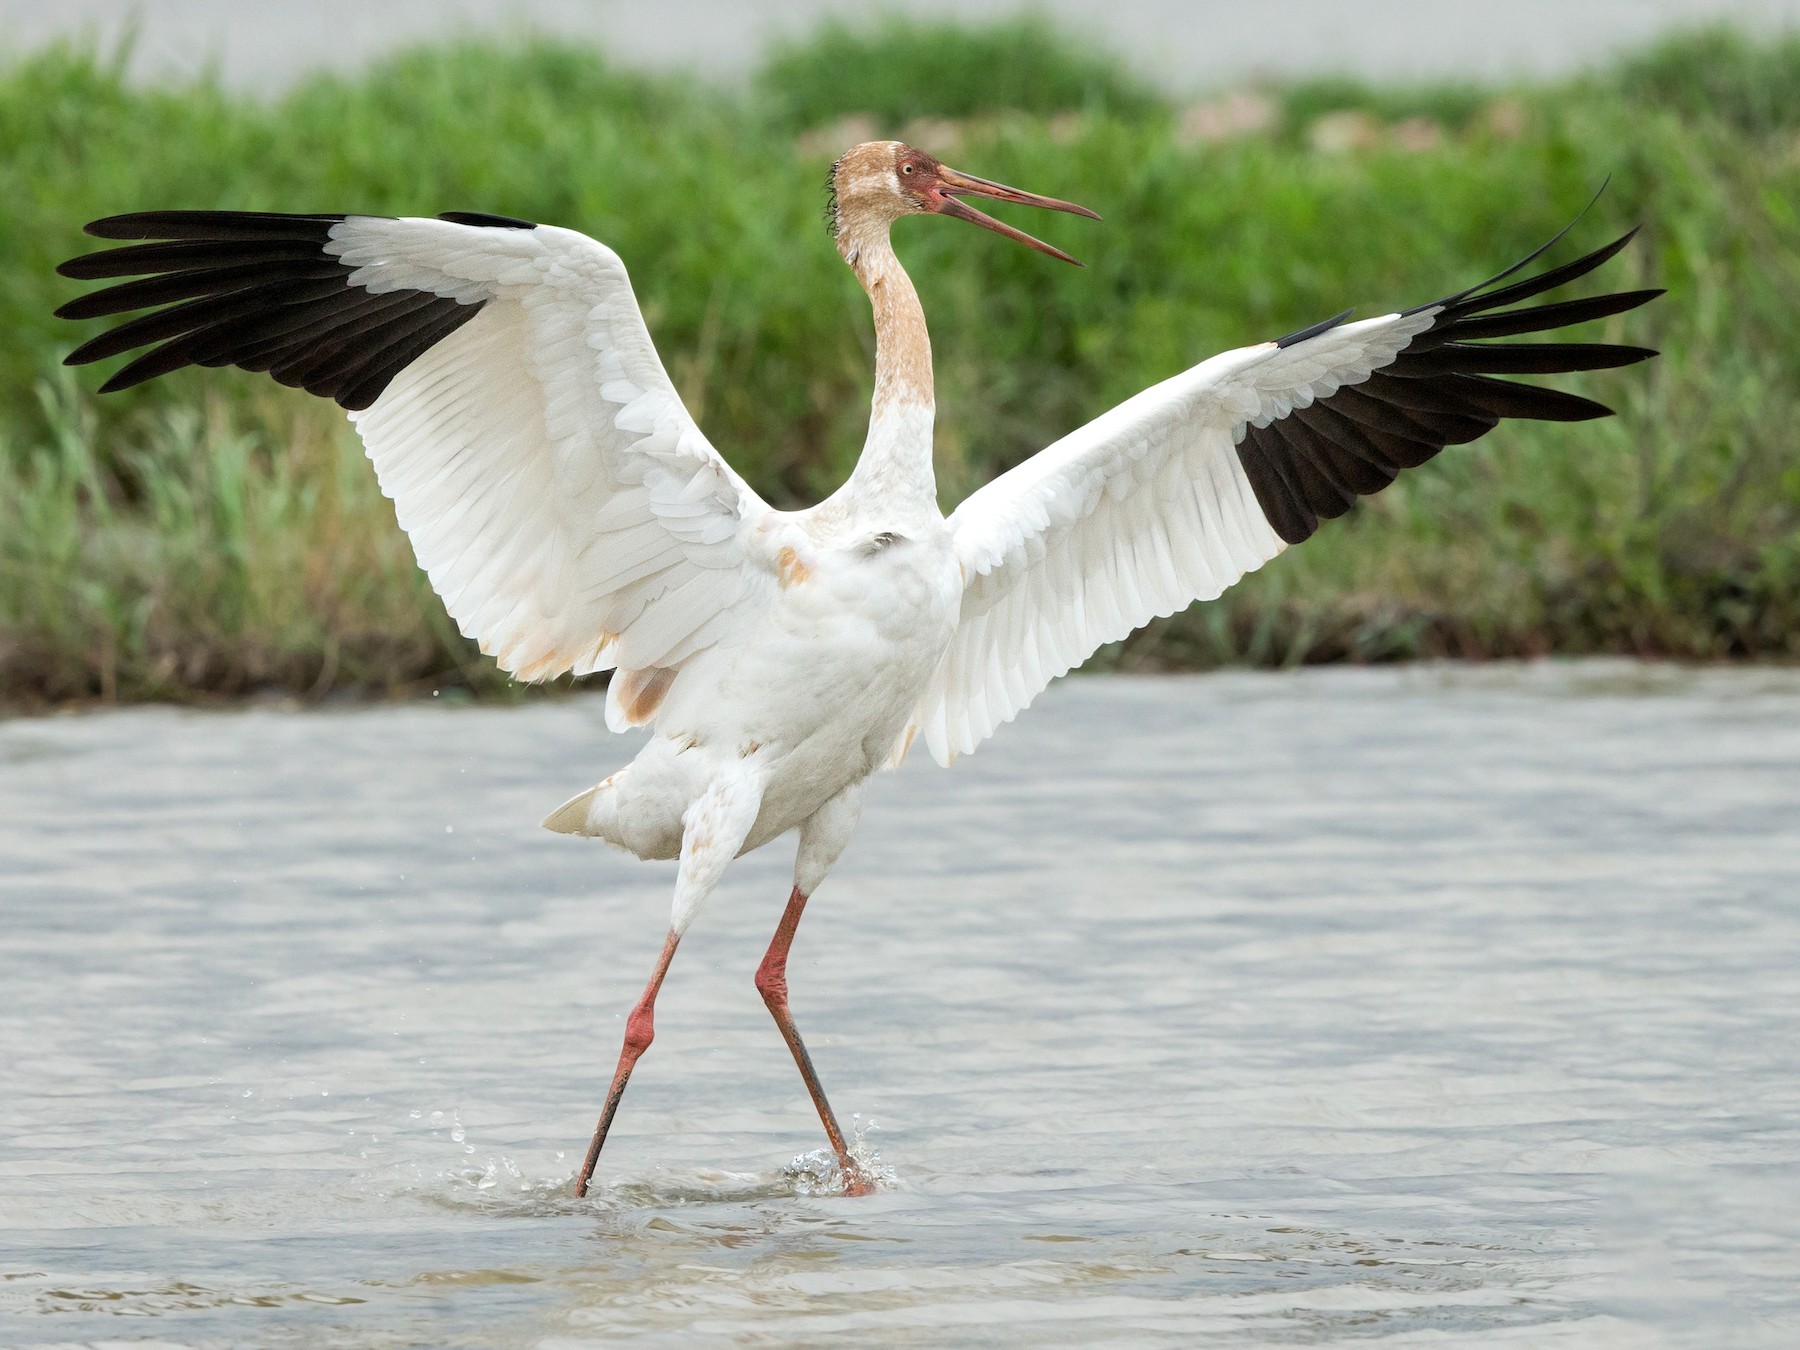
(1412, 1008)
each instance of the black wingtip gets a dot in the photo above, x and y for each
(214, 225)
(483, 219)
(1314, 330)
(1483, 299)
(112, 227)
(116, 383)
(1532, 256)
(138, 224)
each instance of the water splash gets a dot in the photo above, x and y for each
(499, 1171)
(496, 1185)
(818, 1172)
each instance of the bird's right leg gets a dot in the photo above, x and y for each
(822, 839)
(713, 829)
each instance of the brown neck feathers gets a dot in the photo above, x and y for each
(902, 345)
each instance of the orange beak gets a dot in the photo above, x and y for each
(952, 185)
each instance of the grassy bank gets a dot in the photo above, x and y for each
(214, 534)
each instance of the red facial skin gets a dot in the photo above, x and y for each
(937, 188)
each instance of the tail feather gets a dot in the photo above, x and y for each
(575, 816)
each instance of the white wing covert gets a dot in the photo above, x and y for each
(557, 493)
(1175, 494)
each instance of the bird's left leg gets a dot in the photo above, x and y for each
(822, 838)
(713, 829)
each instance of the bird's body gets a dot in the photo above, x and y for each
(574, 518)
(810, 700)
(817, 687)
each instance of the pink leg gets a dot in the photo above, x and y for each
(640, 1030)
(771, 982)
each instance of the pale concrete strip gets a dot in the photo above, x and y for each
(257, 44)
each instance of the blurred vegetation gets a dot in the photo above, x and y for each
(903, 69)
(211, 533)
(1720, 76)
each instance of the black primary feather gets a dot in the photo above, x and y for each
(257, 290)
(1312, 464)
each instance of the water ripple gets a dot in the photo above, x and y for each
(1421, 1006)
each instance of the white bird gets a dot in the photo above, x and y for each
(574, 519)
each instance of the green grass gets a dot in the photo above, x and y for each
(902, 70)
(213, 534)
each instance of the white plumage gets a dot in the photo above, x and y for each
(565, 506)
(574, 518)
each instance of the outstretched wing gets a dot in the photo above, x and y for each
(563, 503)
(1176, 493)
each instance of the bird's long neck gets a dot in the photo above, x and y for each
(896, 459)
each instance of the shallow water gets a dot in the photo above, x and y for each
(1417, 1007)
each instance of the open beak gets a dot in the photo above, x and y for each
(954, 185)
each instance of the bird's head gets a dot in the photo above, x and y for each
(876, 183)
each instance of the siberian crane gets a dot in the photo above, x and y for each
(574, 518)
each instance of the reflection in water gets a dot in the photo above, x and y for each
(1426, 1006)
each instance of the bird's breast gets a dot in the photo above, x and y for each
(819, 691)
(851, 638)
(898, 595)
